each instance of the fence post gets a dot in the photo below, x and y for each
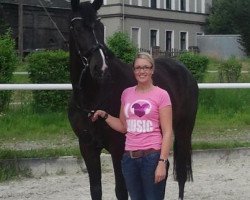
(155, 51)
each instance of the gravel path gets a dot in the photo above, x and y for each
(218, 175)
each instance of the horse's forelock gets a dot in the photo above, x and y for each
(88, 12)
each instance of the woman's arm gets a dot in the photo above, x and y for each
(118, 124)
(167, 139)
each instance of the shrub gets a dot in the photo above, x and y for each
(8, 60)
(196, 63)
(120, 44)
(230, 71)
(49, 67)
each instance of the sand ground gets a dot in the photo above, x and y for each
(218, 175)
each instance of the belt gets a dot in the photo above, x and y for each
(141, 153)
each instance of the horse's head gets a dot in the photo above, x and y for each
(87, 37)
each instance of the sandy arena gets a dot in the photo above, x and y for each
(218, 175)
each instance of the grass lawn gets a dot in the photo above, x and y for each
(223, 121)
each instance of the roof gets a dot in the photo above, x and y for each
(46, 3)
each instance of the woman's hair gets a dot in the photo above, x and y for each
(146, 56)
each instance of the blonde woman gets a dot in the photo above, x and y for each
(146, 120)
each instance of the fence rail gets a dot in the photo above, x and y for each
(62, 86)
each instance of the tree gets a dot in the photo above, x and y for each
(242, 21)
(230, 17)
(122, 47)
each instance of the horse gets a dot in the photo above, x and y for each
(98, 78)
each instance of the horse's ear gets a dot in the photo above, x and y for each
(97, 4)
(75, 4)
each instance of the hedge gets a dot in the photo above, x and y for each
(8, 60)
(196, 63)
(49, 67)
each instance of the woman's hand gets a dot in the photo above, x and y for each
(160, 172)
(97, 114)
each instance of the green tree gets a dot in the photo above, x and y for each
(120, 44)
(230, 17)
(220, 20)
(242, 21)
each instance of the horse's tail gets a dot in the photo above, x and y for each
(183, 129)
(183, 158)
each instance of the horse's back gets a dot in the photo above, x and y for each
(174, 77)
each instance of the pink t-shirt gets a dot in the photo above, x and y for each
(142, 117)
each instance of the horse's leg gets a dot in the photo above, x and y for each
(116, 151)
(91, 156)
(90, 153)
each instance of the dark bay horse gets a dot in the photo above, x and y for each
(98, 79)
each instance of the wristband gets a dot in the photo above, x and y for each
(106, 116)
(163, 160)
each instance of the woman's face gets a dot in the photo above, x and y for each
(143, 71)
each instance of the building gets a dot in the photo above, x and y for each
(39, 31)
(169, 24)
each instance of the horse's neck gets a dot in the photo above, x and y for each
(75, 69)
(121, 73)
(87, 95)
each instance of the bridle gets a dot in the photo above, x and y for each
(85, 60)
(86, 56)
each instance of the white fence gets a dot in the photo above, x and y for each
(69, 86)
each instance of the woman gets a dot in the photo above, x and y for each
(146, 119)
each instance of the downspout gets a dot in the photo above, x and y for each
(123, 12)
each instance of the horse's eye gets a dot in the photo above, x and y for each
(78, 28)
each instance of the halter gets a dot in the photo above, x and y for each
(84, 58)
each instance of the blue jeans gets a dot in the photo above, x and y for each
(139, 174)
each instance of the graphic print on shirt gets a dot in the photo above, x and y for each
(139, 108)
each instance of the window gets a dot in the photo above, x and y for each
(153, 38)
(169, 40)
(183, 5)
(195, 5)
(153, 3)
(183, 40)
(135, 36)
(133, 2)
(168, 4)
(202, 6)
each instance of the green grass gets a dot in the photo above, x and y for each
(10, 171)
(214, 65)
(24, 124)
(223, 120)
(39, 153)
